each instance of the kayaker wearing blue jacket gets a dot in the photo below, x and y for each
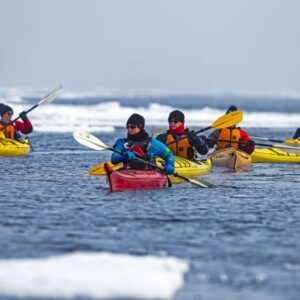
(186, 147)
(139, 144)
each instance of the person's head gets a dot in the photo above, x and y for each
(176, 119)
(231, 109)
(6, 112)
(135, 124)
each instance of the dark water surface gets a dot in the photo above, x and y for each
(242, 239)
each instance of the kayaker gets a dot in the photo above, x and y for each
(296, 134)
(187, 147)
(139, 144)
(241, 137)
(13, 130)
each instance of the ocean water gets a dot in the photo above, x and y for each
(240, 240)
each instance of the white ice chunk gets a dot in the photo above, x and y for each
(94, 275)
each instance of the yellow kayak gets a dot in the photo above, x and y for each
(183, 167)
(9, 147)
(232, 158)
(293, 142)
(274, 155)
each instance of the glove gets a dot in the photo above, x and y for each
(250, 143)
(23, 116)
(191, 134)
(169, 169)
(203, 137)
(129, 155)
(248, 147)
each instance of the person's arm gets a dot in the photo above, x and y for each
(198, 142)
(247, 145)
(117, 157)
(24, 127)
(160, 149)
(214, 136)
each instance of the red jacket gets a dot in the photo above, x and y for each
(23, 127)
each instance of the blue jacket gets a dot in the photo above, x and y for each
(156, 148)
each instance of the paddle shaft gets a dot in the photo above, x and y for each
(266, 139)
(259, 144)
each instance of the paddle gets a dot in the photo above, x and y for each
(258, 138)
(291, 149)
(224, 121)
(47, 99)
(93, 142)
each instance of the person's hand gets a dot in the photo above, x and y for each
(23, 116)
(129, 155)
(169, 169)
(150, 155)
(202, 137)
(250, 143)
(191, 134)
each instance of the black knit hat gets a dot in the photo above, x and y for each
(137, 120)
(4, 109)
(176, 115)
(231, 108)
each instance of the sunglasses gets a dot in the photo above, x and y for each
(174, 121)
(131, 126)
(9, 113)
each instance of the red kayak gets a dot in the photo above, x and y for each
(131, 179)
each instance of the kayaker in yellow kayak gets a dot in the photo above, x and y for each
(13, 130)
(239, 137)
(139, 144)
(187, 147)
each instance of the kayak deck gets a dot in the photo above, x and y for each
(274, 155)
(131, 179)
(183, 167)
(232, 158)
(10, 147)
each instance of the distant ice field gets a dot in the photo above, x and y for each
(104, 112)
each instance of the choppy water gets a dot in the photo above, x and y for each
(242, 239)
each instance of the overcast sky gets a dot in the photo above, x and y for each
(191, 45)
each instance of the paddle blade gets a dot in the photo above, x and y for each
(202, 183)
(228, 120)
(51, 96)
(88, 140)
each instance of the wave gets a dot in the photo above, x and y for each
(104, 117)
(93, 275)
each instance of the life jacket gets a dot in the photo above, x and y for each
(232, 134)
(181, 148)
(8, 132)
(140, 149)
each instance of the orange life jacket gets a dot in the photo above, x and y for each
(180, 148)
(233, 134)
(8, 132)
